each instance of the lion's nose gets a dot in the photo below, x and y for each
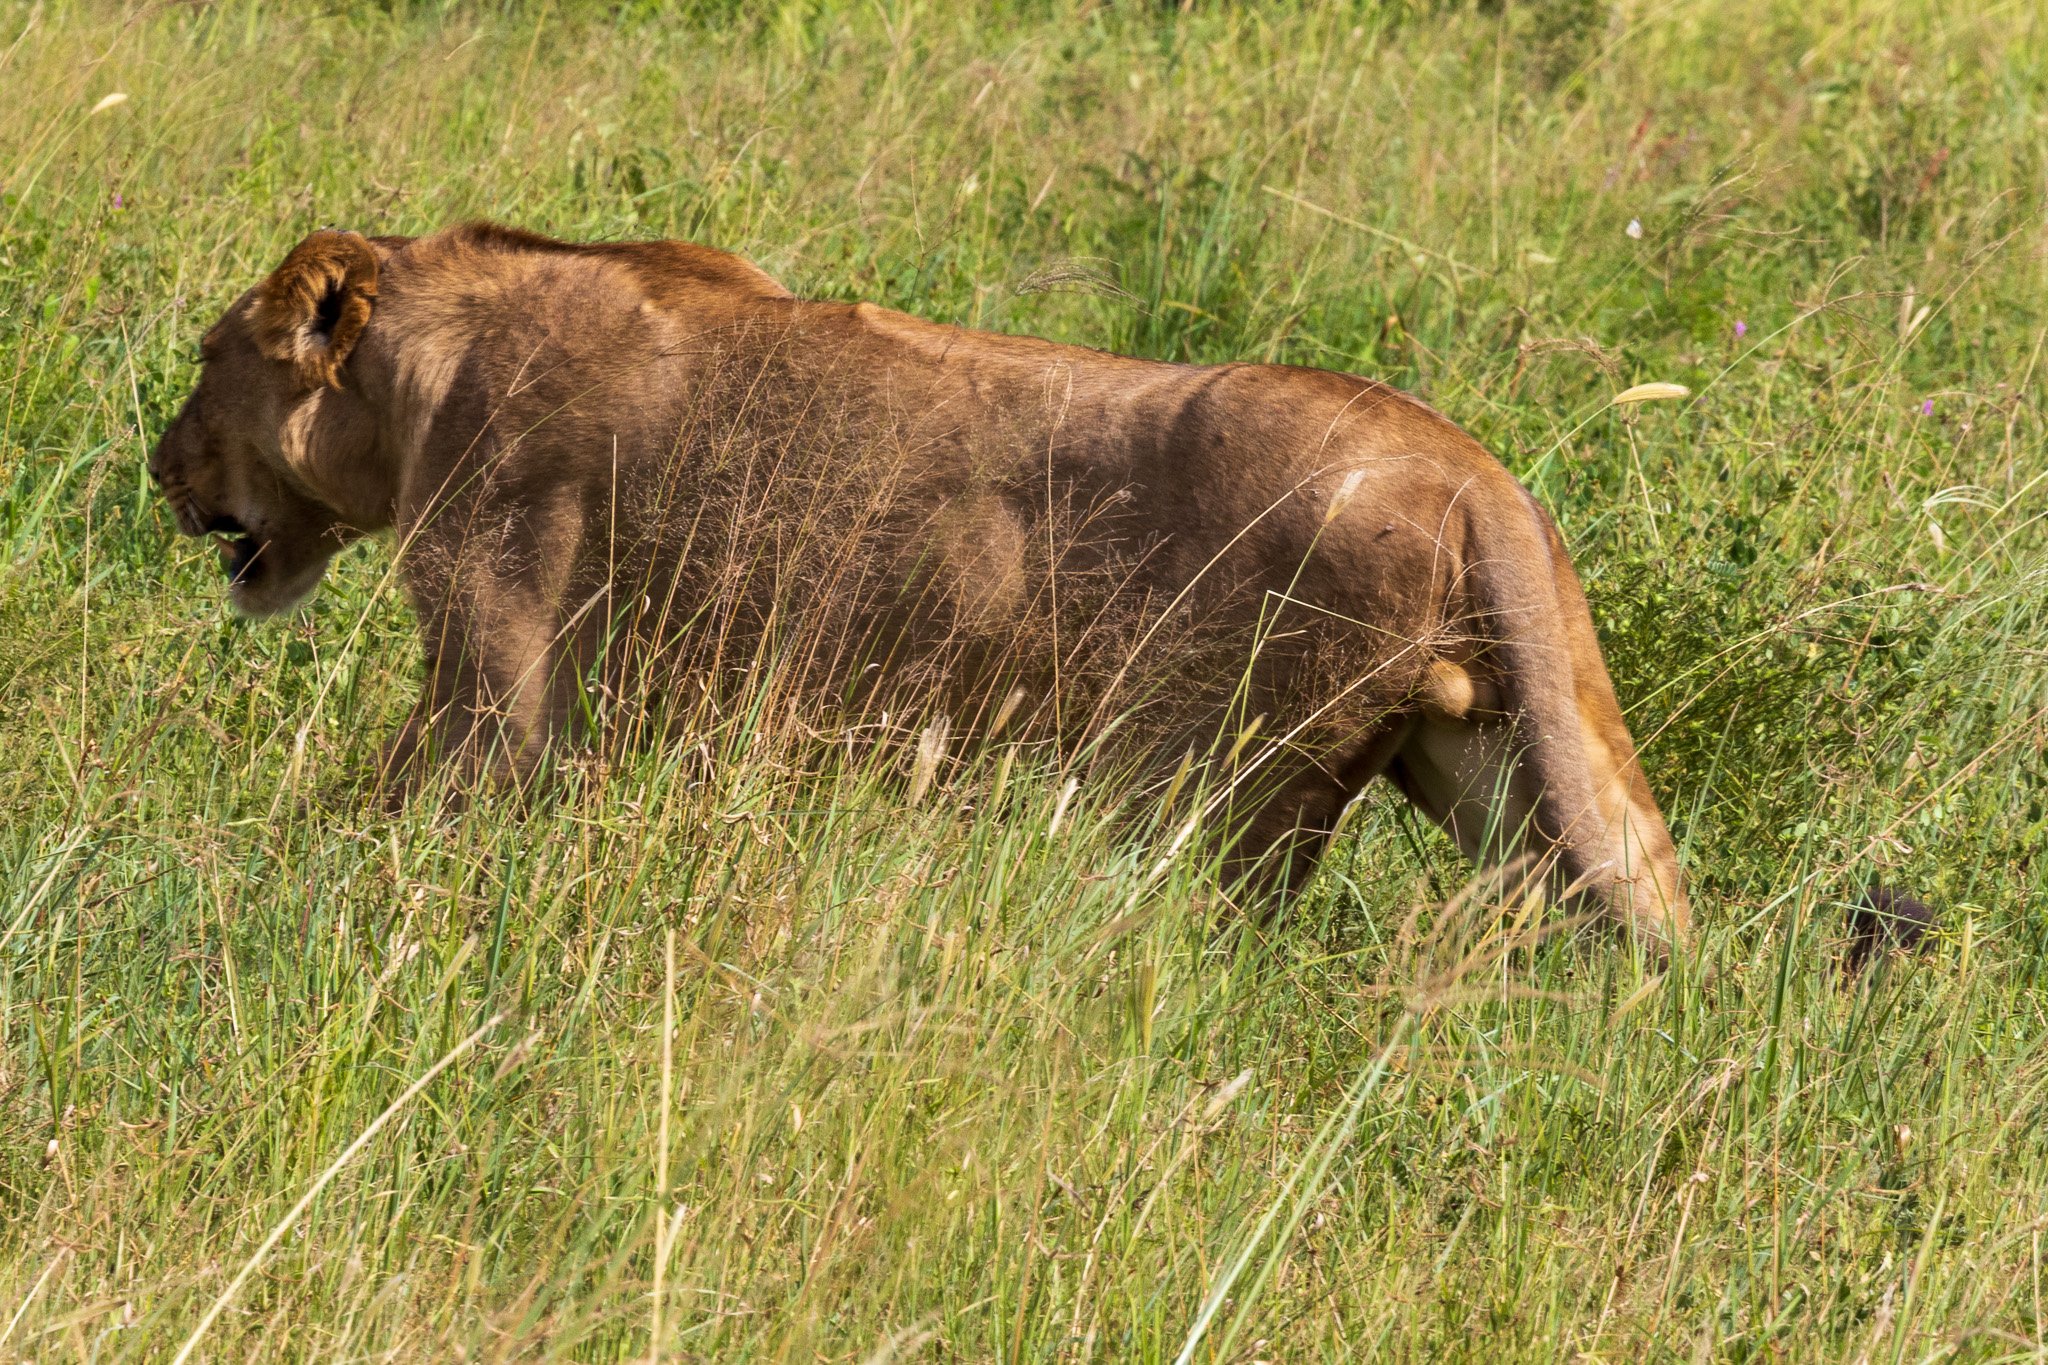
(160, 454)
(164, 456)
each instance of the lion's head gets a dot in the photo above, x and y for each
(274, 454)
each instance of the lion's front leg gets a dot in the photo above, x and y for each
(497, 691)
(403, 761)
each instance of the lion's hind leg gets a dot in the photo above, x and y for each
(1291, 821)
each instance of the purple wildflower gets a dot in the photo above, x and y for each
(117, 200)
(1927, 407)
(1741, 329)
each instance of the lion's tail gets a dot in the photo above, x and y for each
(1558, 785)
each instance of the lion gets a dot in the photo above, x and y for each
(611, 468)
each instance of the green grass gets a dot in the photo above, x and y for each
(970, 1077)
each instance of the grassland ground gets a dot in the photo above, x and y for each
(750, 1049)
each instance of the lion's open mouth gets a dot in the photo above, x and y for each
(237, 547)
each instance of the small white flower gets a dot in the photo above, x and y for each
(1635, 228)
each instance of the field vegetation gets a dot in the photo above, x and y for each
(754, 1047)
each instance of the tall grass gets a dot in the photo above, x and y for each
(943, 1064)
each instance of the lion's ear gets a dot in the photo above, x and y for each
(312, 309)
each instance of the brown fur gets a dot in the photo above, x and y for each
(618, 466)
